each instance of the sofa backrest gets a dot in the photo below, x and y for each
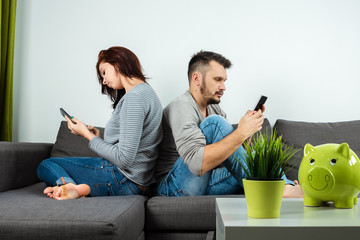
(294, 133)
(297, 134)
(70, 145)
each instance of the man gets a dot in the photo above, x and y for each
(196, 153)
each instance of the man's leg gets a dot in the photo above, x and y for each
(222, 182)
(215, 128)
(181, 182)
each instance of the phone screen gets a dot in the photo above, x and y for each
(260, 103)
(64, 113)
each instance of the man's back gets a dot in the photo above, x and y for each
(181, 134)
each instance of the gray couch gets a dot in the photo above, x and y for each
(25, 213)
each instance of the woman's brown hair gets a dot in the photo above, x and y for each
(125, 62)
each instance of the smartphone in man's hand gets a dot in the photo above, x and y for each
(260, 103)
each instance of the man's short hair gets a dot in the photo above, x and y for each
(199, 61)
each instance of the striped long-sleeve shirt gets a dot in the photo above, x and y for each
(132, 135)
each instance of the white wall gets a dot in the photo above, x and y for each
(303, 54)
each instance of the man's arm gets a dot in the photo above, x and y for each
(216, 153)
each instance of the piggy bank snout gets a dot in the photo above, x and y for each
(320, 179)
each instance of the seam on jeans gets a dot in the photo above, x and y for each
(165, 180)
(53, 173)
(101, 167)
(116, 180)
(165, 184)
(220, 180)
(139, 192)
(217, 125)
(92, 167)
(161, 186)
(97, 186)
(178, 190)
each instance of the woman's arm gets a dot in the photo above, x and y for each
(124, 133)
(77, 127)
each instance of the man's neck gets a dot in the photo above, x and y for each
(200, 102)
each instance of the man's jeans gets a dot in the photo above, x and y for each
(103, 178)
(225, 179)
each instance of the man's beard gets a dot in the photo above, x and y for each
(206, 94)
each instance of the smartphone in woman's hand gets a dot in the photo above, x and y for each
(64, 113)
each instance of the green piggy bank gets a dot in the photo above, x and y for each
(330, 172)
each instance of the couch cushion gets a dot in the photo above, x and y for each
(28, 214)
(178, 236)
(70, 145)
(192, 214)
(297, 134)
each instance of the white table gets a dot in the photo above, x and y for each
(296, 222)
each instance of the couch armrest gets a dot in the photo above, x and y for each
(18, 163)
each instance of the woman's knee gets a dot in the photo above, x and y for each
(46, 166)
(43, 166)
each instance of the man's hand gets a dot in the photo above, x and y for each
(216, 153)
(263, 108)
(250, 123)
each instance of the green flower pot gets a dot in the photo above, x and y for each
(263, 197)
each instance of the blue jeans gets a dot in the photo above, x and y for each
(103, 178)
(225, 179)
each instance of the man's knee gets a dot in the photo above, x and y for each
(215, 128)
(216, 119)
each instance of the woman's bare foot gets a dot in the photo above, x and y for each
(67, 191)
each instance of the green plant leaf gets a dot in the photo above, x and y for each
(267, 156)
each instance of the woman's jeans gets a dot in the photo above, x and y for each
(225, 179)
(103, 178)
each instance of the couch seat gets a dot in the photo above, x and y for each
(26, 213)
(178, 217)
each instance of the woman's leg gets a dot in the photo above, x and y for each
(102, 177)
(53, 173)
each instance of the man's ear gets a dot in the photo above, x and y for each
(196, 78)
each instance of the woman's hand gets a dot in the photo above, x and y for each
(77, 127)
(94, 130)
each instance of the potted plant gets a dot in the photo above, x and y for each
(266, 161)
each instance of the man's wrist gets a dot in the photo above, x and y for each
(240, 137)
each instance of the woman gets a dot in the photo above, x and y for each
(129, 149)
